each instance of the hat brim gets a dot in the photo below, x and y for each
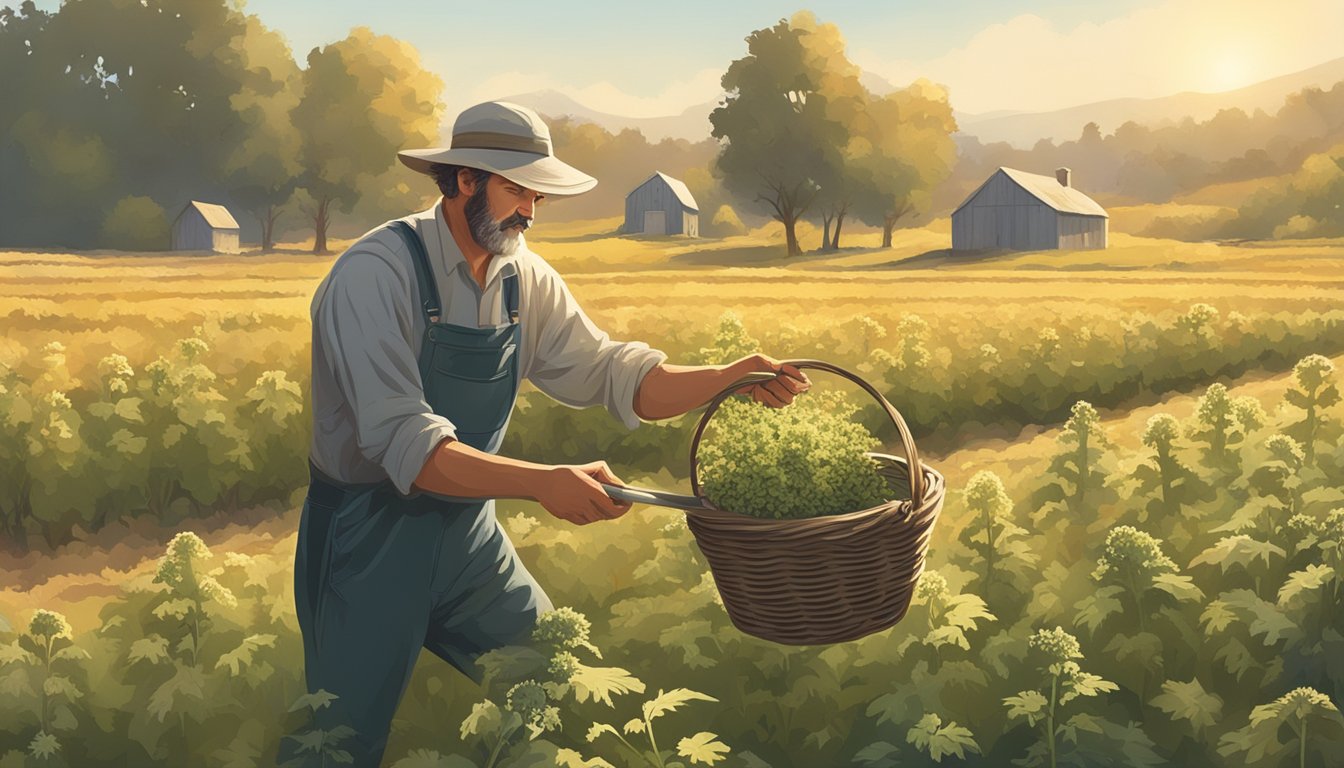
(543, 173)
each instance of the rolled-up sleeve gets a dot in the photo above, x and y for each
(364, 325)
(576, 362)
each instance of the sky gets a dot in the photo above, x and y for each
(642, 60)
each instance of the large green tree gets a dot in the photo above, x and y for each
(903, 153)
(364, 98)
(262, 168)
(123, 99)
(784, 119)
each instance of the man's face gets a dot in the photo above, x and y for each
(498, 212)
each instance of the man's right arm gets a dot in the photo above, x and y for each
(569, 492)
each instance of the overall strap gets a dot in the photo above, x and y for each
(511, 297)
(424, 274)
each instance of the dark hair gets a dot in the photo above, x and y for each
(446, 177)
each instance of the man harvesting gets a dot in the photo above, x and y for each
(422, 332)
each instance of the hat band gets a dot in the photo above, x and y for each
(504, 141)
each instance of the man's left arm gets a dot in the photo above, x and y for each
(671, 390)
(576, 363)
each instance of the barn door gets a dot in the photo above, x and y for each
(655, 222)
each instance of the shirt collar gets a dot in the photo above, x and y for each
(451, 256)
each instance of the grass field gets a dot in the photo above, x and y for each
(646, 601)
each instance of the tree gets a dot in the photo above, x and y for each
(782, 122)
(262, 168)
(124, 99)
(906, 151)
(364, 98)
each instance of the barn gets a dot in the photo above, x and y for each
(661, 206)
(205, 227)
(1020, 211)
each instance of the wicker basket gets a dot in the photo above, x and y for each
(826, 579)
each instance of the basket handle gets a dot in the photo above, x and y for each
(907, 439)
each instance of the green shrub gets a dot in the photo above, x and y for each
(136, 224)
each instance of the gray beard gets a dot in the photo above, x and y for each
(485, 228)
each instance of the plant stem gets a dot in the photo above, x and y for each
(46, 662)
(1050, 721)
(1302, 746)
(632, 748)
(494, 753)
(648, 728)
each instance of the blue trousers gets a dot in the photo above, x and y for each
(377, 577)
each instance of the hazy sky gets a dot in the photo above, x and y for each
(646, 60)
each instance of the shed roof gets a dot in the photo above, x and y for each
(678, 188)
(1048, 190)
(217, 216)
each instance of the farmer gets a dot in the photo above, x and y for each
(422, 331)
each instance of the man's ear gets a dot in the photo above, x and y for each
(466, 181)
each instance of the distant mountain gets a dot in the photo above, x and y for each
(691, 124)
(1025, 129)
(1021, 129)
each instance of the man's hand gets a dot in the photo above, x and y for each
(573, 492)
(778, 392)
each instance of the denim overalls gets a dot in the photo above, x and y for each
(378, 575)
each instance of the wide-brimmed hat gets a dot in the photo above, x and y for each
(509, 140)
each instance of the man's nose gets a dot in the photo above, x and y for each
(525, 209)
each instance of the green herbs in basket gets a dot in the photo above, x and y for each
(803, 460)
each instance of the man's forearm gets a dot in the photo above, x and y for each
(671, 390)
(456, 469)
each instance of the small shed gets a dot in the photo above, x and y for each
(1020, 211)
(205, 227)
(661, 206)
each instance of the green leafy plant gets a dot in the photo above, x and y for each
(1314, 391)
(998, 542)
(702, 747)
(326, 746)
(1056, 651)
(806, 460)
(525, 684)
(45, 666)
(1298, 709)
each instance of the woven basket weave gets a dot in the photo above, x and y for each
(826, 579)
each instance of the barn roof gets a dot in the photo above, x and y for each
(1048, 190)
(217, 216)
(678, 188)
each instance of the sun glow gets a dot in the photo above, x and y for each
(1226, 72)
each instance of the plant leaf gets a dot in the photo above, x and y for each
(599, 683)
(667, 702)
(1189, 701)
(703, 747)
(241, 656)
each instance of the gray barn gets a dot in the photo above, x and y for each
(205, 227)
(661, 206)
(1021, 211)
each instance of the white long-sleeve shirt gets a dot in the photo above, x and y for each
(370, 418)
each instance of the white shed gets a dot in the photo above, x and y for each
(205, 227)
(1021, 211)
(662, 206)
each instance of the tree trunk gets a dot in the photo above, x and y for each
(888, 224)
(320, 222)
(825, 232)
(839, 220)
(270, 215)
(791, 236)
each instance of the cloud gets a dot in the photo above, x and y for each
(1029, 64)
(601, 96)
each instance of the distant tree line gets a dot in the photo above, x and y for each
(118, 112)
